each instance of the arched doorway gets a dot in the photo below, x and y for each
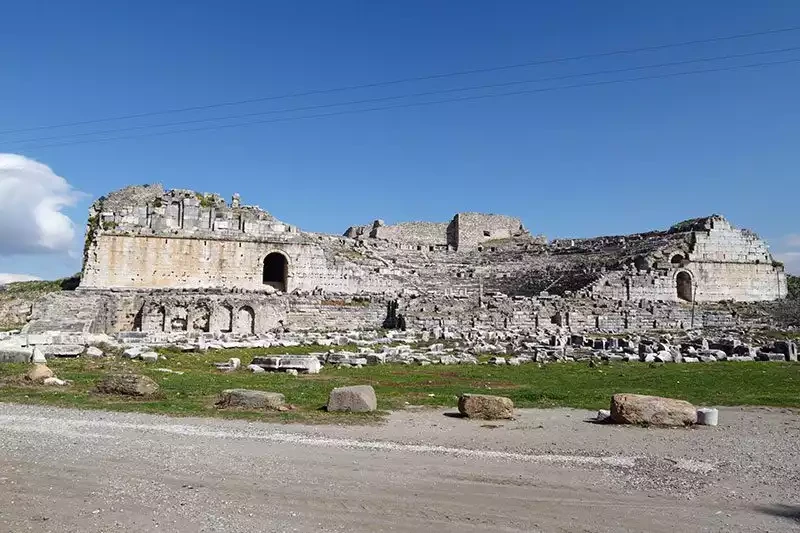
(245, 321)
(683, 283)
(276, 271)
(676, 260)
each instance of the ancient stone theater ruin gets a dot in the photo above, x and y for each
(178, 262)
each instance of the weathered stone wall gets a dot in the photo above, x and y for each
(473, 229)
(720, 263)
(418, 233)
(123, 261)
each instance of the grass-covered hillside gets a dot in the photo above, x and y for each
(16, 298)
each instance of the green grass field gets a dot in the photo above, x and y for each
(553, 385)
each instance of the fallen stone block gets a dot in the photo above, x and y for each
(54, 381)
(707, 416)
(232, 364)
(15, 354)
(664, 356)
(128, 385)
(39, 373)
(134, 352)
(251, 399)
(38, 356)
(33, 339)
(497, 360)
(255, 369)
(62, 350)
(94, 351)
(303, 364)
(485, 407)
(357, 399)
(149, 357)
(651, 410)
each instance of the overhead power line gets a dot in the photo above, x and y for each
(402, 96)
(411, 79)
(421, 104)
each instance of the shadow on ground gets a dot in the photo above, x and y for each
(791, 512)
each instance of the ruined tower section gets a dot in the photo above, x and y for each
(698, 260)
(465, 232)
(473, 229)
(144, 237)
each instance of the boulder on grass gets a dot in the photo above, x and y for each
(128, 385)
(39, 373)
(251, 399)
(485, 407)
(358, 399)
(652, 410)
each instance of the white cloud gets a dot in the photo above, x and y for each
(11, 278)
(791, 261)
(792, 240)
(31, 199)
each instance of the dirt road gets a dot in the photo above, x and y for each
(89, 471)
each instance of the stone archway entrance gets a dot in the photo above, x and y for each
(276, 271)
(683, 283)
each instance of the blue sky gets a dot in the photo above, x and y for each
(609, 159)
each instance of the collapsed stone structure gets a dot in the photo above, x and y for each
(165, 262)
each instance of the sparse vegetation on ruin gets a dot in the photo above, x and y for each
(572, 385)
(41, 287)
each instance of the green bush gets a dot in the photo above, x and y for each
(793, 283)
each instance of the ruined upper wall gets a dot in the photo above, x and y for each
(151, 210)
(464, 232)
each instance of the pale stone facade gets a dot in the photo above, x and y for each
(177, 261)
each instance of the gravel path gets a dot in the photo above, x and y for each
(549, 470)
